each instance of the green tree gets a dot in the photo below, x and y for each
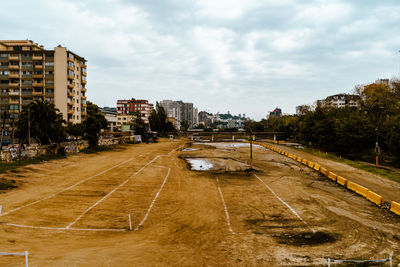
(76, 130)
(93, 124)
(46, 123)
(138, 124)
(158, 120)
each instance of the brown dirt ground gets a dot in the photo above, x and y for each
(388, 189)
(187, 224)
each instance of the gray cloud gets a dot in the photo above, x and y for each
(243, 56)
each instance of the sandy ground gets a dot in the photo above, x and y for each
(284, 214)
(388, 189)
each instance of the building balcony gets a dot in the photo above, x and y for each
(71, 94)
(13, 111)
(84, 82)
(37, 84)
(70, 86)
(37, 93)
(84, 105)
(13, 84)
(37, 76)
(13, 93)
(26, 85)
(70, 77)
(24, 93)
(14, 102)
(71, 111)
(70, 103)
(38, 67)
(70, 59)
(3, 67)
(3, 59)
(13, 58)
(13, 75)
(84, 90)
(37, 58)
(84, 97)
(13, 67)
(26, 76)
(84, 74)
(71, 68)
(83, 113)
(71, 120)
(84, 66)
(27, 67)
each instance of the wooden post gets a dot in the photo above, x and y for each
(26, 258)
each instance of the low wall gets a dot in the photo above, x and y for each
(13, 153)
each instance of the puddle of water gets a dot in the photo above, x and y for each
(304, 239)
(200, 164)
(190, 149)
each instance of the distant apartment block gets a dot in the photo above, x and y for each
(30, 72)
(179, 111)
(126, 107)
(340, 101)
(276, 113)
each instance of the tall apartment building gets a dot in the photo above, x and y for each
(126, 107)
(30, 72)
(173, 111)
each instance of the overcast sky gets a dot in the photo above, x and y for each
(245, 56)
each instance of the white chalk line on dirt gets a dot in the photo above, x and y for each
(115, 189)
(154, 201)
(286, 204)
(64, 228)
(65, 189)
(228, 222)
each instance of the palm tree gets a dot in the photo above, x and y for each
(46, 123)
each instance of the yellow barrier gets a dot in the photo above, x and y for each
(311, 164)
(341, 180)
(332, 176)
(361, 190)
(316, 167)
(375, 198)
(395, 207)
(323, 171)
(299, 159)
(304, 161)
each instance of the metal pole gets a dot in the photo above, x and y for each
(251, 151)
(329, 262)
(390, 257)
(13, 130)
(29, 126)
(0, 209)
(26, 258)
(130, 222)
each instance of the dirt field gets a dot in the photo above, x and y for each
(74, 212)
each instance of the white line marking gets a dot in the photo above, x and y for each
(154, 201)
(286, 204)
(115, 189)
(65, 189)
(65, 229)
(228, 222)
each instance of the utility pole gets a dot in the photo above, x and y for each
(251, 150)
(29, 127)
(2, 129)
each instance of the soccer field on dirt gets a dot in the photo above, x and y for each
(75, 211)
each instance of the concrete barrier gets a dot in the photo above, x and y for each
(395, 207)
(332, 176)
(361, 190)
(323, 171)
(375, 198)
(342, 181)
(316, 167)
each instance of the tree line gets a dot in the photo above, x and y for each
(347, 131)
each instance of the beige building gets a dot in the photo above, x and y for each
(30, 72)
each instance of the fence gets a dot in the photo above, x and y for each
(17, 254)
